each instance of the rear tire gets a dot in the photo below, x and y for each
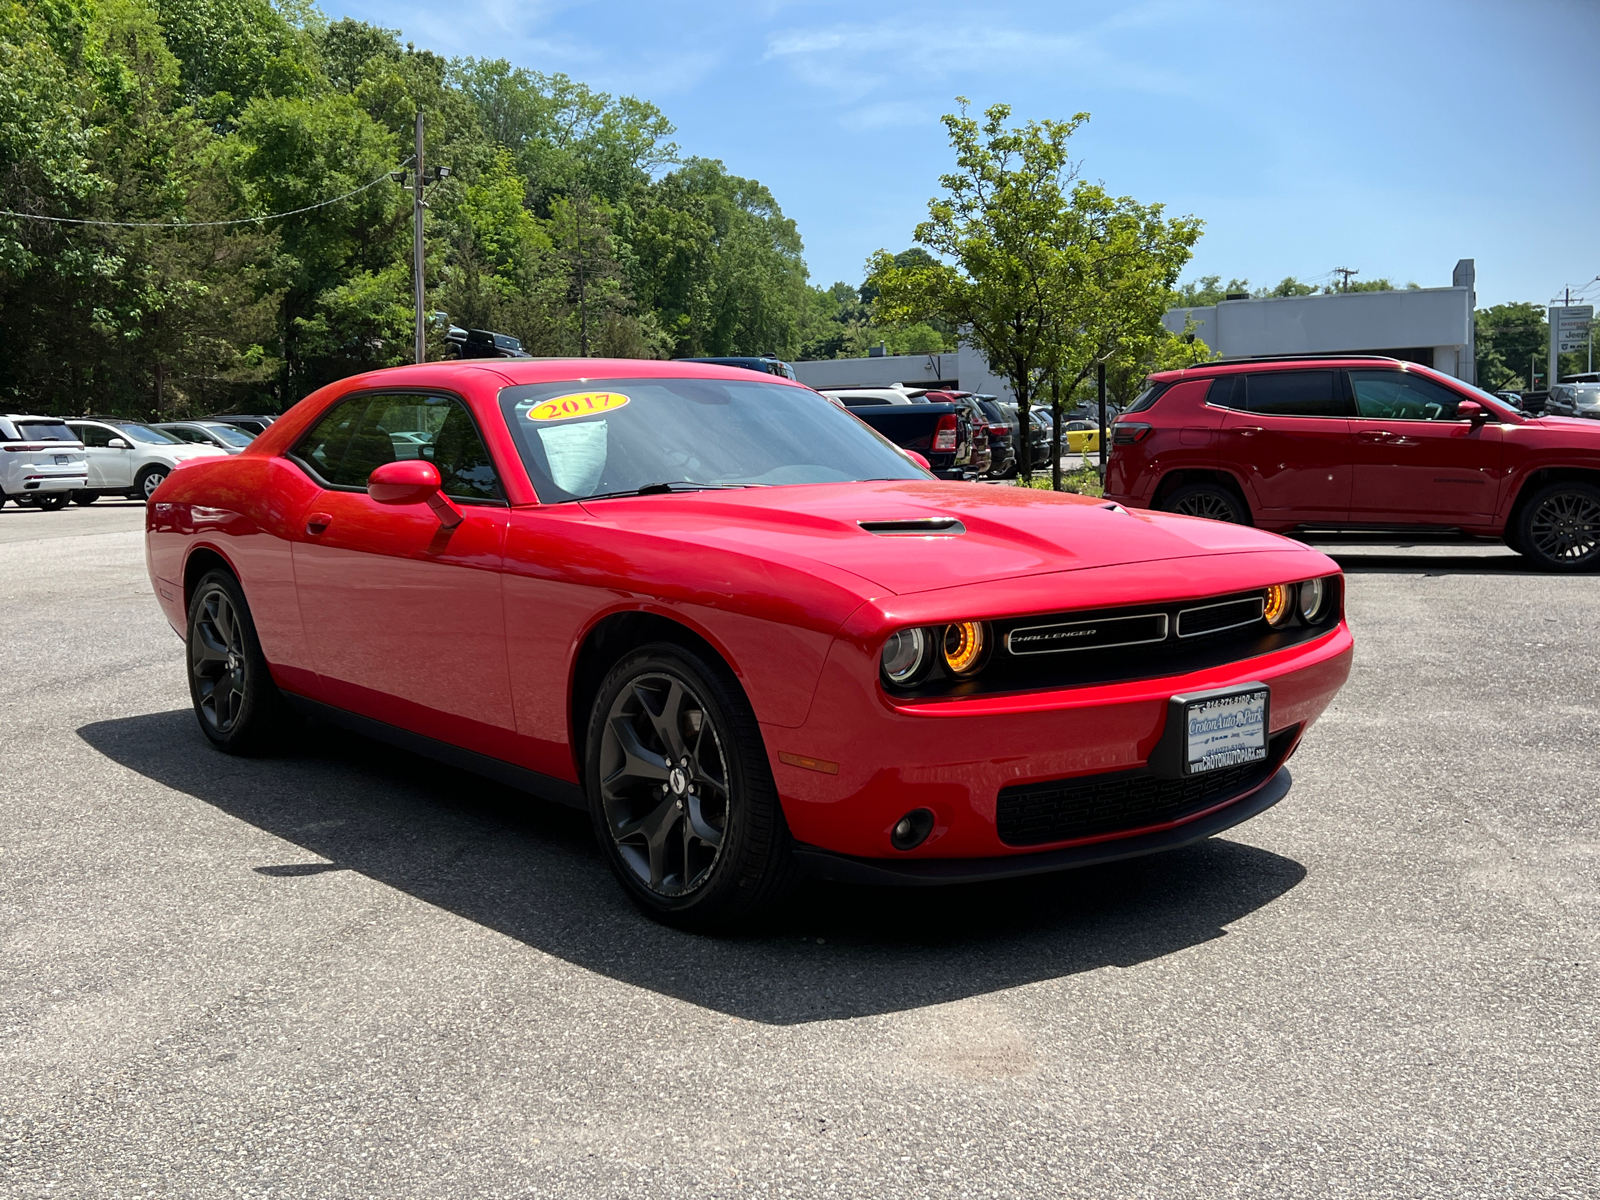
(85, 498)
(1558, 528)
(1207, 500)
(238, 706)
(681, 792)
(52, 501)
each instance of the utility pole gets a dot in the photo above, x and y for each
(416, 246)
(583, 285)
(1346, 272)
(1100, 380)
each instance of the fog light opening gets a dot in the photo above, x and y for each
(911, 830)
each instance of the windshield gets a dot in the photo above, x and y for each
(230, 435)
(143, 433)
(1586, 397)
(45, 431)
(616, 436)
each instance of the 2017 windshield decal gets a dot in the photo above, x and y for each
(578, 404)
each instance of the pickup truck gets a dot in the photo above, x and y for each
(941, 433)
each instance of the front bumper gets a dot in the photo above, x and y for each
(925, 872)
(861, 762)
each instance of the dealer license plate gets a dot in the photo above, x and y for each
(1225, 731)
(63, 460)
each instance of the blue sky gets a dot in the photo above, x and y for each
(1390, 137)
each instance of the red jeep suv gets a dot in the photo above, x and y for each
(1353, 441)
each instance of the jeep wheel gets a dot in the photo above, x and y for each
(1559, 528)
(1207, 500)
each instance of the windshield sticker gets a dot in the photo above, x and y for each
(579, 404)
(576, 454)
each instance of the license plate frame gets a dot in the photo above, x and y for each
(1227, 727)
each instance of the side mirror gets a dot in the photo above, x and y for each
(1471, 410)
(412, 481)
(117, 444)
(918, 459)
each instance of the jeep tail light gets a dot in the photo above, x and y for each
(1125, 433)
(944, 437)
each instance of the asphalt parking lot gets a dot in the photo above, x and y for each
(346, 972)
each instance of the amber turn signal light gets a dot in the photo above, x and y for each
(964, 645)
(1278, 605)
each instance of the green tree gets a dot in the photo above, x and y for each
(1208, 290)
(1513, 342)
(993, 232)
(1047, 275)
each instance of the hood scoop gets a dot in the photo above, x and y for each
(915, 527)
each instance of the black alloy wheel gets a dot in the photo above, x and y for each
(1559, 528)
(238, 706)
(1209, 501)
(681, 794)
(149, 480)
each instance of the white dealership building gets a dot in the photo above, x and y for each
(1433, 326)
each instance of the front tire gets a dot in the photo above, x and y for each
(149, 480)
(681, 792)
(1559, 528)
(85, 498)
(238, 706)
(1207, 500)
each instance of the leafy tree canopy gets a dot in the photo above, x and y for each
(570, 218)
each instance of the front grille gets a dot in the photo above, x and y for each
(1087, 806)
(1214, 618)
(1116, 645)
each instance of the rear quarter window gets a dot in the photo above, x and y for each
(1147, 397)
(1227, 391)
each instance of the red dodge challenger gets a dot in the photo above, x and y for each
(747, 634)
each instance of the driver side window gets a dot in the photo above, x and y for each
(364, 432)
(1399, 396)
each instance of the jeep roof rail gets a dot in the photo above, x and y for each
(1324, 357)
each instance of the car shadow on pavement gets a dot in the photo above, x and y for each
(531, 871)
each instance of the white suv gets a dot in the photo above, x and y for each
(41, 461)
(130, 459)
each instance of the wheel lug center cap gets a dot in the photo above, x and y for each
(678, 781)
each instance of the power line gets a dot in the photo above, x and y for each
(294, 212)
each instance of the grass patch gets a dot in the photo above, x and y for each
(1085, 481)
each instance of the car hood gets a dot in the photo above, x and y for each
(1008, 531)
(194, 451)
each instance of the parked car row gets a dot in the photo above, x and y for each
(50, 462)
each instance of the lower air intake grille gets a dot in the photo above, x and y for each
(1122, 801)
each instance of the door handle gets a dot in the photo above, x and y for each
(1249, 430)
(1375, 435)
(316, 523)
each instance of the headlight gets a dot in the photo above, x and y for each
(965, 644)
(905, 656)
(1312, 596)
(1279, 604)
